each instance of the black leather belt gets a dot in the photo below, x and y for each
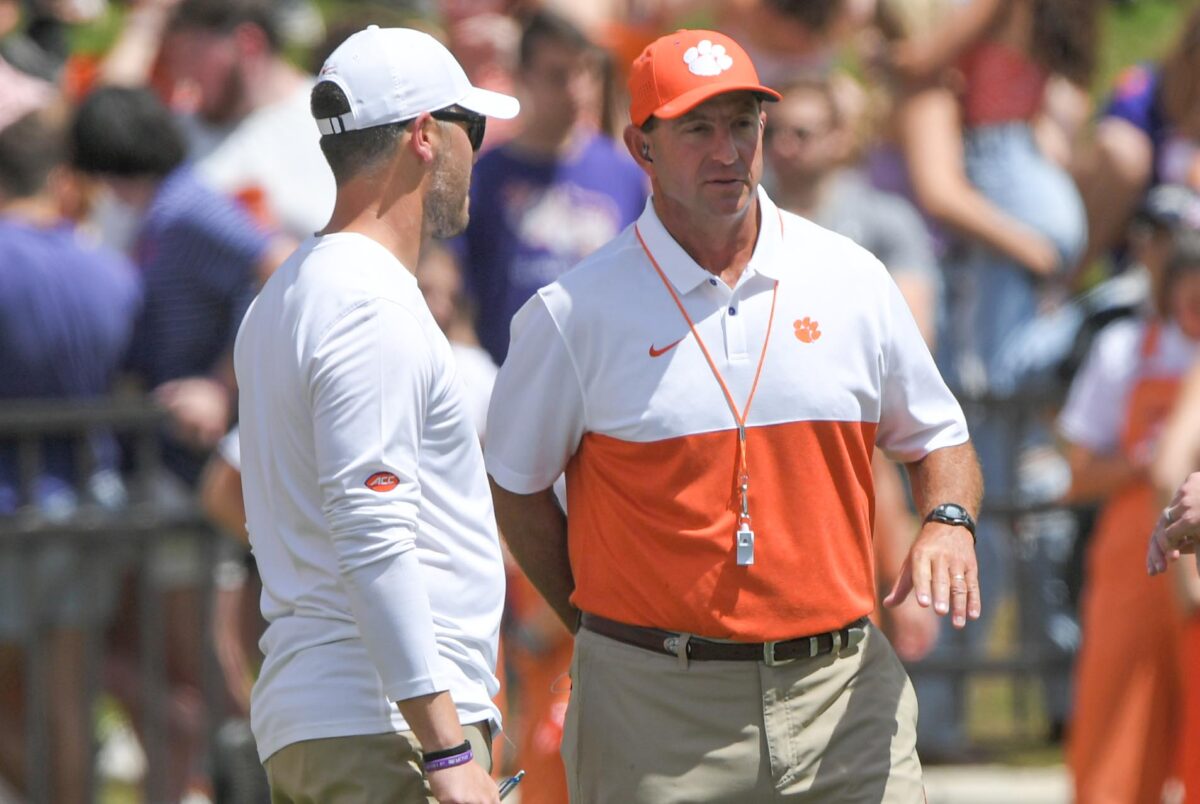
(698, 649)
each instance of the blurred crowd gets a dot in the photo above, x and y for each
(1044, 230)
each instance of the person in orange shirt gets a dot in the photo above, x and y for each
(1128, 681)
(714, 382)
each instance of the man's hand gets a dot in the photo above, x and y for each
(941, 569)
(463, 784)
(200, 409)
(1178, 529)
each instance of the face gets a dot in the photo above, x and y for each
(559, 86)
(1184, 298)
(446, 204)
(208, 64)
(708, 162)
(802, 144)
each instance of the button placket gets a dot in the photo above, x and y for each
(735, 330)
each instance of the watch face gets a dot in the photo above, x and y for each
(956, 511)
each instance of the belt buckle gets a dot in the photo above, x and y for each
(769, 653)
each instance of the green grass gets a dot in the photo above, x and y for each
(1142, 30)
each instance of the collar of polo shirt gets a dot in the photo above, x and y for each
(686, 274)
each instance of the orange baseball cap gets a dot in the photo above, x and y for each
(679, 71)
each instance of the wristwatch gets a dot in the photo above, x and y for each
(953, 514)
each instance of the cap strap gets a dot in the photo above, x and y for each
(332, 125)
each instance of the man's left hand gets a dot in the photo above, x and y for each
(942, 571)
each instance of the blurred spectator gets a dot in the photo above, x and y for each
(1149, 134)
(1049, 351)
(978, 166)
(1020, 211)
(485, 41)
(1122, 737)
(66, 316)
(556, 191)
(200, 256)
(252, 133)
(807, 145)
(787, 38)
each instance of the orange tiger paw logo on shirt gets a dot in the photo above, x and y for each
(808, 330)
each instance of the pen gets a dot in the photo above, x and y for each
(508, 784)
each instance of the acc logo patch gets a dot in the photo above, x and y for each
(382, 481)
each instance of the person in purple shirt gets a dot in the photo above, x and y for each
(556, 191)
(66, 307)
(66, 315)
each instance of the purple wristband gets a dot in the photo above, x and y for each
(449, 762)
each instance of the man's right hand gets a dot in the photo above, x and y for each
(463, 784)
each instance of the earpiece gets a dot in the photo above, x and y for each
(646, 152)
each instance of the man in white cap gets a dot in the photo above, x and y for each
(366, 498)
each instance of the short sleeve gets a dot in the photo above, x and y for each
(1095, 408)
(537, 417)
(918, 413)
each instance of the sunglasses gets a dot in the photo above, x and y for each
(476, 123)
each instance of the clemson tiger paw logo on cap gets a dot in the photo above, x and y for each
(707, 59)
(808, 330)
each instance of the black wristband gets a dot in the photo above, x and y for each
(445, 753)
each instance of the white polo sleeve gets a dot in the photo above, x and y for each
(918, 414)
(370, 377)
(537, 415)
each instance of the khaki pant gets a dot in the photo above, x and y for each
(360, 769)
(644, 727)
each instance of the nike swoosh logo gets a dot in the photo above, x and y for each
(660, 352)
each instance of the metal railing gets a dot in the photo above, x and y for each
(1027, 658)
(91, 530)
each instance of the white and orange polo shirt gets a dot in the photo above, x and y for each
(605, 380)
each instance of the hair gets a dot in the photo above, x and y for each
(351, 152)
(223, 16)
(30, 148)
(125, 131)
(546, 26)
(1180, 86)
(816, 15)
(1064, 37)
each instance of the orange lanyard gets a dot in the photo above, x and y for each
(739, 418)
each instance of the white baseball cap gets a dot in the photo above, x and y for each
(394, 74)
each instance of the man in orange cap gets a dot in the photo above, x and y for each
(714, 381)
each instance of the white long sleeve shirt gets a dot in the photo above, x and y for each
(366, 500)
